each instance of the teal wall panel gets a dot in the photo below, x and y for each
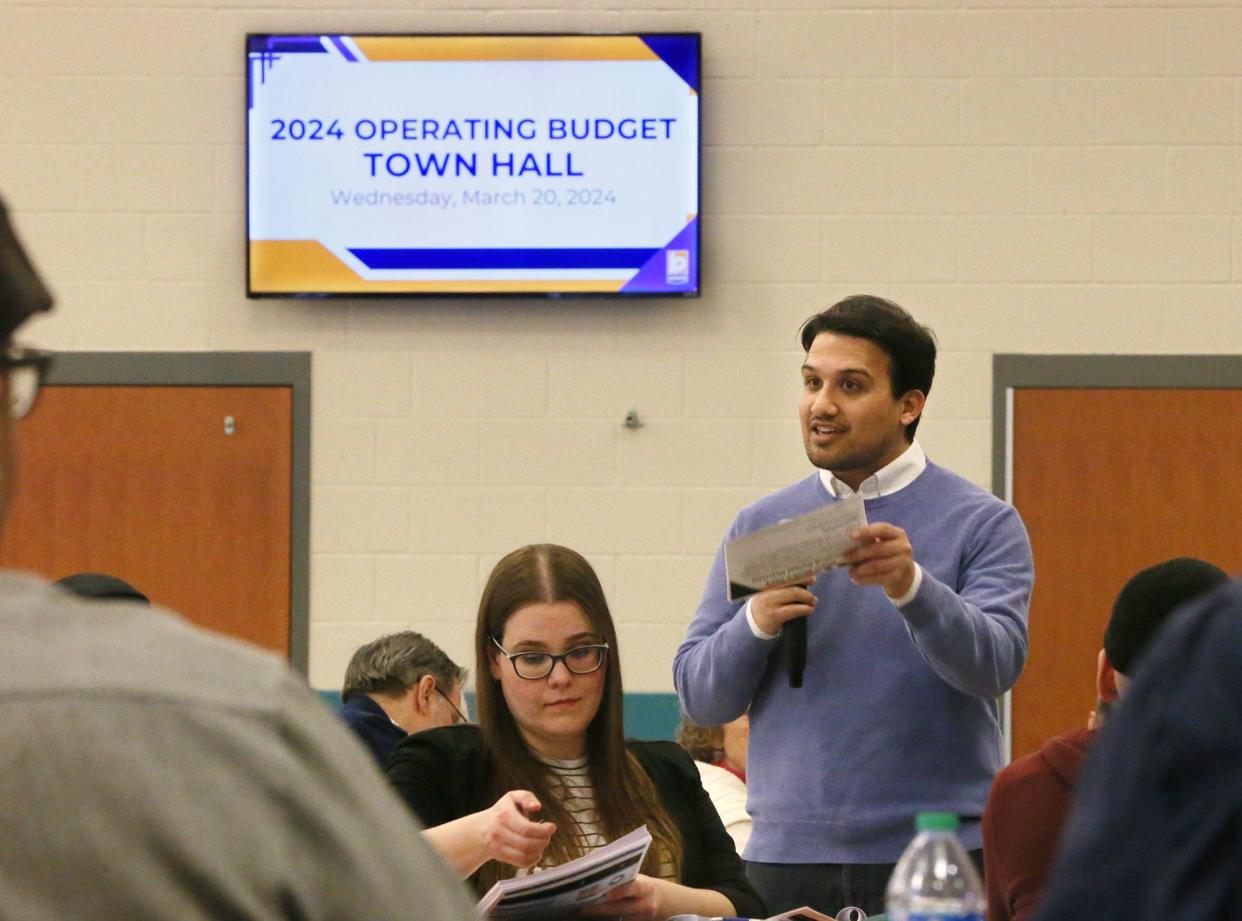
(651, 716)
(647, 715)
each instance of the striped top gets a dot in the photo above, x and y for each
(570, 783)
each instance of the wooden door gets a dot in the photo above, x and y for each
(151, 484)
(1109, 481)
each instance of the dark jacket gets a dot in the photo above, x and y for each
(371, 724)
(442, 775)
(1023, 821)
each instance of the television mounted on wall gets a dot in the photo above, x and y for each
(406, 165)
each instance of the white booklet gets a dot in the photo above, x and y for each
(796, 914)
(810, 914)
(561, 891)
(795, 547)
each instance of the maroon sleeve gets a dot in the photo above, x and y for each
(1022, 823)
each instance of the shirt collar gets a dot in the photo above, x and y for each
(895, 476)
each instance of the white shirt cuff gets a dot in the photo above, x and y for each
(754, 627)
(912, 590)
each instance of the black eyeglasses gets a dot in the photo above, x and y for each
(581, 660)
(461, 717)
(25, 369)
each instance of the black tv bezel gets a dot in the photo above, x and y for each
(488, 295)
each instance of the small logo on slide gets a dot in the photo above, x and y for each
(677, 266)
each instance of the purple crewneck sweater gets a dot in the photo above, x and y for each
(898, 713)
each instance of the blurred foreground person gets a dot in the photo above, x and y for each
(1029, 801)
(150, 770)
(1156, 827)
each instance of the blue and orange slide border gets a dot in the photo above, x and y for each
(293, 266)
(671, 48)
(299, 266)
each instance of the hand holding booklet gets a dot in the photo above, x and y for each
(561, 891)
(795, 547)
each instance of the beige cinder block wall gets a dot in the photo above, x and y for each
(1032, 176)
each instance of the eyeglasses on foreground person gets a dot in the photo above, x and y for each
(26, 368)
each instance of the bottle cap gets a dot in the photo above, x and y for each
(936, 821)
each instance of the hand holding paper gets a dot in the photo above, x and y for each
(637, 900)
(788, 551)
(883, 556)
(511, 833)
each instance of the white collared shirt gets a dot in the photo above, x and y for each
(892, 477)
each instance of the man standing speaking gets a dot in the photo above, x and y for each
(908, 645)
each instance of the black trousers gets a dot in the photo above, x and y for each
(826, 887)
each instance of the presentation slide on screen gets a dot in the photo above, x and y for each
(460, 164)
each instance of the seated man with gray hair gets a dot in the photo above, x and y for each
(400, 684)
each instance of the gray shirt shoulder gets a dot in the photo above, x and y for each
(151, 770)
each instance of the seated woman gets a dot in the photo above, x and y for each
(719, 752)
(547, 776)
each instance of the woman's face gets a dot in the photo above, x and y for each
(553, 712)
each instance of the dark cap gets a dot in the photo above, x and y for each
(99, 585)
(1147, 600)
(21, 291)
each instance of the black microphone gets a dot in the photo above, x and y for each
(795, 644)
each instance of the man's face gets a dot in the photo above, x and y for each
(449, 707)
(423, 706)
(852, 425)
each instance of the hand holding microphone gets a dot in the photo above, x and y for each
(783, 609)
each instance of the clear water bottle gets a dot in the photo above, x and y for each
(935, 879)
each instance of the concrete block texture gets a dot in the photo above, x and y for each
(1060, 176)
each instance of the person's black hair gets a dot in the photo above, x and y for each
(101, 586)
(22, 291)
(1148, 600)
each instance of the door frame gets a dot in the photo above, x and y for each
(1097, 372)
(227, 369)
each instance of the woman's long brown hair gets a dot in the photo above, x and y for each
(625, 797)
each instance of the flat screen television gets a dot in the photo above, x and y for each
(472, 164)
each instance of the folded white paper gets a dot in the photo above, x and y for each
(795, 547)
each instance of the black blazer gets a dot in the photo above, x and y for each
(442, 775)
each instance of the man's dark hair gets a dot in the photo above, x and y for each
(101, 586)
(911, 347)
(397, 661)
(22, 292)
(1147, 601)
